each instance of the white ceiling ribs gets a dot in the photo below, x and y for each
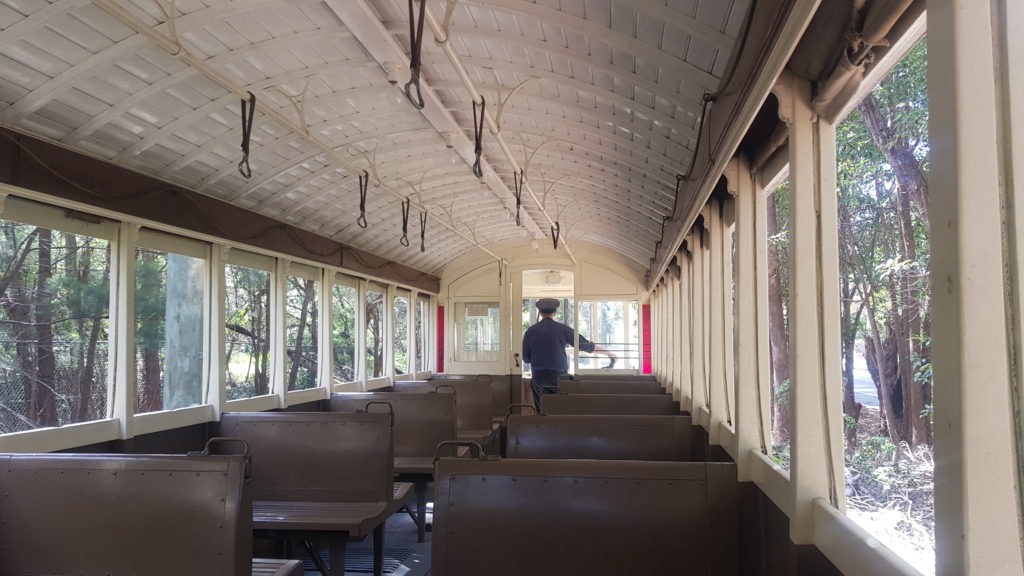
(474, 94)
(657, 116)
(365, 23)
(131, 20)
(704, 80)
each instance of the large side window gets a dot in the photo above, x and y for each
(54, 317)
(247, 281)
(422, 332)
(374, 330)
(344, 331)
(400, 334)
(170, 296)
(302, 308)
(611, 325)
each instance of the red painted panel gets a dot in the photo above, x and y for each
(440, 339)
(647, 338)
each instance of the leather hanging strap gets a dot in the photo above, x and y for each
(406, 205)
(364, 183)
(243, 165)
(478, 136)
(415, 48)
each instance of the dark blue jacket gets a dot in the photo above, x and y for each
(544, 345)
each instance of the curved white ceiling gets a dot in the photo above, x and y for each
(607, 115)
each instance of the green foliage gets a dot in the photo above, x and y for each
(849, 422)
(782, 393)
(781, 455)
(874, 452)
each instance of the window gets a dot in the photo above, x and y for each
(54, 318)
(478, 331)
(169, 319)
(400, 334)
(374, 331)
(343, 333)
(302, 323)
(778, 320)
(611, 325)
(247, 331)
(422, 332)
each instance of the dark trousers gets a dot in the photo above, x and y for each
(544, 382)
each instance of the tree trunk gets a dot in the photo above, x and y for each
(912, 185)
(296, 356)
(44, 397)
(884, 384)
(778, 332)
(261, 347)
(149, 289)
(910, 176)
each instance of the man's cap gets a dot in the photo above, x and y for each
(547, 304)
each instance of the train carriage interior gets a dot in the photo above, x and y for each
(266, 267)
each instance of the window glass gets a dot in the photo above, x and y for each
(374, 331)
(612, 326)
(400, 335)
(54, 326)
(346, 304)
(302, 332)
(247, 331)
(422, 333)
(478, 331)
(169, 298)
(778, 320)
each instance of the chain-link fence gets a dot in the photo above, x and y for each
(78, 392)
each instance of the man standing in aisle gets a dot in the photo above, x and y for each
(544, 346)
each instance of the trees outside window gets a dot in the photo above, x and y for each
(374, 331)
(54, 326)
(247, 331)
(400, 334)
(302, 331)
(169, 303)
(343, 333)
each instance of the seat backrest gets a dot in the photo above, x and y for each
(609, 387)
(473, 404)
(422, 421)
(501, 388)
(553, 517)
(602, 437)
(122, 515)
(608, 404)
(316, 456)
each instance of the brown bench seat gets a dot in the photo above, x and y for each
(609, 387)
(638, 404)
(122, 515)
(472, 407)
(555, 517)
(604, 437)
(422, 421)
(321, 476)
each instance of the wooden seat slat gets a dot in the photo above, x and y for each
(637, 404)
(356, 518)
(473, 406)
(609, 387)
(603, 437)
(554, 517)
(274, 567)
